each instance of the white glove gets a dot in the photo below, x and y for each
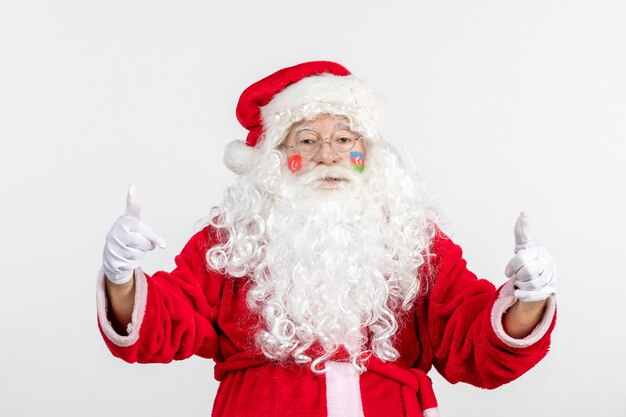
(127, 242)
(532, 267)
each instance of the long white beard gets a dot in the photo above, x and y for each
(324, 274)
(328, 266)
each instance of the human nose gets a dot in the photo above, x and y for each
(325, 154)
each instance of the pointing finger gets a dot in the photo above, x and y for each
(138, 241)
(151, 235)
(520, 259)
(133, 204)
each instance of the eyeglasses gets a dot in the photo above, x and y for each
(309, 142)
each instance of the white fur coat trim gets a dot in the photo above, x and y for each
(102, 302)
(505, 300)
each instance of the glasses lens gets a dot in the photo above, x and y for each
(307, 144)
(344, 141)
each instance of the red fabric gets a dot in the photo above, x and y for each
(193, 310)
(260, 93)
(416, 387)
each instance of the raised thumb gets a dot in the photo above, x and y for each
(133, 204)
(522, 233)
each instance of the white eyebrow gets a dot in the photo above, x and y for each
(342, 126)
(301, 129)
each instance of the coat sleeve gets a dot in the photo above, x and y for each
(464, 320)
(175, 313)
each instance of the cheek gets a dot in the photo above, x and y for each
(294, 163)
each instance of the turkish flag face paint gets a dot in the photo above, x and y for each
(294, 162)
(357, 160)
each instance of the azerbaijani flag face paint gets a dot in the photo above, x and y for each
(294, 162)
(357, 161)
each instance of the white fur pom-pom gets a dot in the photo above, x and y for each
(238, 156)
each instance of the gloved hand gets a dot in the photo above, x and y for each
(127, 242)
(532, 267)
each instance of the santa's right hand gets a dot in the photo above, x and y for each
(127, 242)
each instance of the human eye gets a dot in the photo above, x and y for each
(344, 139)
(346, 133)
(307, 143)
(307, 140)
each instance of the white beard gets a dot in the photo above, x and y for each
(329, 262)
(323, 276)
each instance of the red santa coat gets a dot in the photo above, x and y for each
(456, 325)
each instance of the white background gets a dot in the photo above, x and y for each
(501, 105)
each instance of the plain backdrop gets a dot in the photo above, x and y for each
(502, 106)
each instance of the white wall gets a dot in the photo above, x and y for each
(502, 106)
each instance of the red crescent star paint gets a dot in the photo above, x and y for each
(294, 162)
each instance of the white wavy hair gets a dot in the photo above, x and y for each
(285, 239)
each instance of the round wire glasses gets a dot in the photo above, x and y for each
(309, 142)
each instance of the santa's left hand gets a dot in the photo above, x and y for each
(532, 267)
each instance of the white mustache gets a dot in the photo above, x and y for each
(319, 174)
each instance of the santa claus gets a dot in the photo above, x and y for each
(322, 284)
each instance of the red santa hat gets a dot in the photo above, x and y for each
(269, 107)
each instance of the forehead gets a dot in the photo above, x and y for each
(321, 122)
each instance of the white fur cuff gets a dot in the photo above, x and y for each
(141, 297)
(505, 300)
(431, 412)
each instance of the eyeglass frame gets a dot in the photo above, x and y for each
(324, 140)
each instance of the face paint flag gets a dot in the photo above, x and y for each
(294, 162)
(357, 161)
